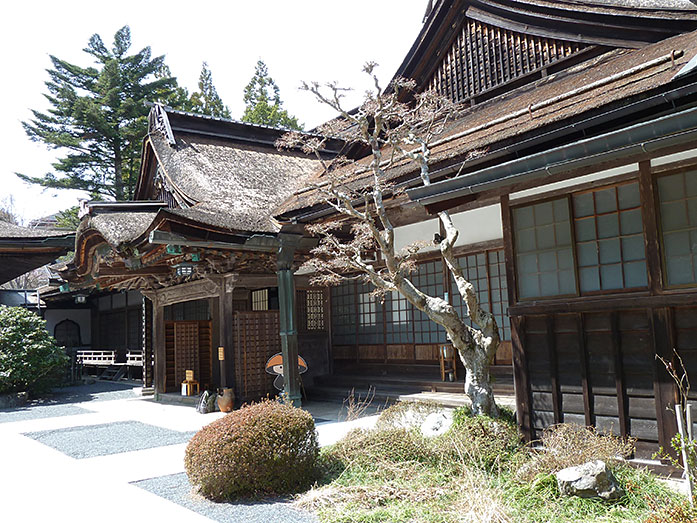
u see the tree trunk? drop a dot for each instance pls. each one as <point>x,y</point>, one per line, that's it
<point>477,383</point>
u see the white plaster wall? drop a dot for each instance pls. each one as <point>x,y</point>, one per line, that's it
<point>421,232</point>
<point>478,225</point>
<point>600,175</point>
<point>80,316</point>
<point>676,157</point>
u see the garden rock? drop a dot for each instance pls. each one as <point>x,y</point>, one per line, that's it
<point>13,401</point>
<point>437,423</point>
<point>590,480</point>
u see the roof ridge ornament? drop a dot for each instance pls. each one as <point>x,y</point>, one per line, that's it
<point>159,121</point>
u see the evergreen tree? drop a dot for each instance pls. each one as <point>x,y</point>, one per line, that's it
<point>263,102</point>
<point>98,115</point>
<point>206,99</point>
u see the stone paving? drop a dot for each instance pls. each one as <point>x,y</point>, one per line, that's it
<point>104,453</point>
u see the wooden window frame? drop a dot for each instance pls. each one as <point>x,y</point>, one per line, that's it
<point>655,175</point>
<point>568,196</point>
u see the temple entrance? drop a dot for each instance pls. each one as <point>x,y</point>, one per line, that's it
<point>188,347</point>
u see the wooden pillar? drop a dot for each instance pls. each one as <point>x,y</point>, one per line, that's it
<point>148,340</point>
<point>289,332</point>
<point>227,332</point>
<point>521,379</point>
<point>648,217</point>
<point>160,371</point>
<point>663,386</point>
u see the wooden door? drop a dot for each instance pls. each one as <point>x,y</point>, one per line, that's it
<point>187,347</point>
<point>258,339</point>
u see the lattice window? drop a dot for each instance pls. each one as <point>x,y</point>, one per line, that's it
<point>398,323</point>
<point>474,268</point>
<point>428,278</point>
<point>498,289</point>
<point>260,300</point>
<point>544,250</point>
<point>369,315</point>
<point>484,56</point>
<point>610,238</point>
<point>344,313</point>
<point>310,308</point>
<point>487,272</point>
<point>678,203</point>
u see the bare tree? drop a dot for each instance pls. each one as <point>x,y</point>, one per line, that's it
<point>397,134</point>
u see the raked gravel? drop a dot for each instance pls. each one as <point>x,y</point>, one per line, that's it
<point>109,438</point>
<point>176,488</point>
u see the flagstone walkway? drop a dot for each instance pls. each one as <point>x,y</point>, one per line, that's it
<point>101,452</point>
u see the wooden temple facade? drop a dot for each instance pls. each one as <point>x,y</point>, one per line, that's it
<point>570,170</point>
<point>200,244</point>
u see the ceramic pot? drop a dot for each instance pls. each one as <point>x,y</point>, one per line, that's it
<point>226,400</point>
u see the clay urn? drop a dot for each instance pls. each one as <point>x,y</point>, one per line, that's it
<point>226,400</point>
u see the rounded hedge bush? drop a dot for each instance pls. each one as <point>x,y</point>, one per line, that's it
<point>30,359</point>
<point>261,449</point>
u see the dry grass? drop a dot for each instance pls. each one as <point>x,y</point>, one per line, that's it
<point>413,493</point>
<point>356,405</point>
<point>567,445</point>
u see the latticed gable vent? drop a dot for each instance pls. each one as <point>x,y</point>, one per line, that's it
<point>484,57</point>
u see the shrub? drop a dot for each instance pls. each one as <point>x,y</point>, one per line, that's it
<point>567,445</point>
<point>30,359</point>
<point>260,449</point>
<point>482,442</point>
<point>374,449</point>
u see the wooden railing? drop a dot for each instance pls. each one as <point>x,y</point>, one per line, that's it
<point>134,358</point>
<point>96,357</point>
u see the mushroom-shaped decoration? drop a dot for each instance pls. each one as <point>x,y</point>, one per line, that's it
<point>275,367</point>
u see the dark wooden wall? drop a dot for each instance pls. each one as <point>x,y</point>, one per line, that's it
<point>598,367</point>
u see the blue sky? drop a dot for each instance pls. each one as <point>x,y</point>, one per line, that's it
<point>299,40</point>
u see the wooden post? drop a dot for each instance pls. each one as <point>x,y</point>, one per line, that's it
<point>227,332</point>
<point>521,380</point>
<point>286,302</point>
<point>160,378</point>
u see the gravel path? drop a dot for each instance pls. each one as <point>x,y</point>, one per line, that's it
<point>110,438</point>
<point>176,488</point>
<point>39,412</point>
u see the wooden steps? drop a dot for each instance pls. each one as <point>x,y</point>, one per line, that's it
<point>114,372</point>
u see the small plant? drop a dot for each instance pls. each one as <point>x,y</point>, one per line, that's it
<point>261,449</point>
<point>683,443</point>
<point>30,359</point>
<point>357,405</point>
<point>567,445</point>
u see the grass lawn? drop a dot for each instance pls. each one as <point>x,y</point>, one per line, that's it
<point>477,471</point>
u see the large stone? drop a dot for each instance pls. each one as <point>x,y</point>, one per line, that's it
<point>590,480</point>
<point>14,400</point>
<point>437,423</point>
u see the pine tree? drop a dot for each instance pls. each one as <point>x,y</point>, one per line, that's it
<point>263,104</point>
<point>99,117</point>
<point>206,99</point>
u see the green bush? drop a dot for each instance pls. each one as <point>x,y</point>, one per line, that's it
<point>373,449</point>
<point>30,359</point>
<point>261,449</point>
